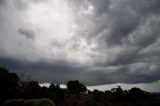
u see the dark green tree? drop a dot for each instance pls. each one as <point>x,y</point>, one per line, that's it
<point>9,84</point>
<point>136,93</point>
<point>76,87</point>
<point>31,90</point>
<point>57,93</point>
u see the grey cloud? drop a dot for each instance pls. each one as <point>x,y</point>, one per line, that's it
<point>147,34</point>
<point>128,19</point>
<point>102,6</point>
<point>56,72</point>
<point>121,26</point>
<point>122,75</point>
<point>146,7</point>
<point>122,19</point>
<point>61,72</point>
<point>150,54</point>
<point>2,2</point>
<point>77,4</point>
<point>57,44</point>
<point>18,4</point>
<point>125,32</point>
<point>126,57</point>
<point>37,1</point>
<point>28,33</point>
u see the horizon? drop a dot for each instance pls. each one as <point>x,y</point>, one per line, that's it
<point>149,87</point>
<point>97,42</point>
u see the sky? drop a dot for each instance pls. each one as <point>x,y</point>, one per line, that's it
<point>94,41</point>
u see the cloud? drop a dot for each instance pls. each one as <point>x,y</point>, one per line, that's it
<point>29,34</point>
<point>61,72</point>
<point>2,2</point>
<point>108,41</point>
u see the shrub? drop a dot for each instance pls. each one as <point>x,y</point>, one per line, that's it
<point>14,102</point>
<point>31,102</point>
<point>46,102</point>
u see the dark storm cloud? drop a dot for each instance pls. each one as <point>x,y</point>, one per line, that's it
<point>146,7</point>
<point>51,71</point>
<point>128,20</point>
<point>61,72</point>
<point>126,34</point>
<point>120,17</point>
<point>56,72</point>
<point>132,27</point>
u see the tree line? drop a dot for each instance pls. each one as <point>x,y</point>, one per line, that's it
<point>15,92</point>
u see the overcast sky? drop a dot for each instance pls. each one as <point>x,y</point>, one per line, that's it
<point>94,41</point>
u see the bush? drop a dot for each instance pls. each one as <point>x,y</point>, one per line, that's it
<point>14,102</point>
<point>31,102</point>
<point>46,102</point>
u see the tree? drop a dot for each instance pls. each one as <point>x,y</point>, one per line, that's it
<point>9,84</point>
<point>57,93</point>
<point>136,93</point>
<point>76,87</point>
<point>53,87</point>
<point>31,90</point>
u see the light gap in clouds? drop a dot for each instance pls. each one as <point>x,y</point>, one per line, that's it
<point>56,24</point>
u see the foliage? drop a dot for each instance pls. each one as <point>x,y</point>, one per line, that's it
<point>30,90</point>
<point>76,86</point>
<point>14,102</point>
<point>9,85</point>
<point>31,102</point>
